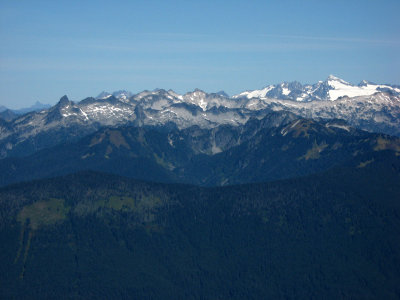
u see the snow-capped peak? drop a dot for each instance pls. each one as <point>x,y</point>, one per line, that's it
<point>330,89</point>
<point>255,93</point>
<point>337,79</point>
<point>340,88</point>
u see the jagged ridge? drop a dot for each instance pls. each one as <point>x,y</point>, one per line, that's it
<point>378,109</point>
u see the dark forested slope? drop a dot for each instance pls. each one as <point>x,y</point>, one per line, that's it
<point>91,235</point>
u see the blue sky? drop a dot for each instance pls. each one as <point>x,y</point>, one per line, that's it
<point>52,48</point>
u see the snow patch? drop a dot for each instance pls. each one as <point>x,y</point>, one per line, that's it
<point>255,94</point>
<point>285,91</point>
<point>342,88</point>
<point>344,127</point>
<point>295,123</point>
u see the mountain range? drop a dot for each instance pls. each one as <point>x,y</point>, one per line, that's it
<point>331,89</point>
<point>369,106</point>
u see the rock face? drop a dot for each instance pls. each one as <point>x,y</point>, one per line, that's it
<point>367,106</point>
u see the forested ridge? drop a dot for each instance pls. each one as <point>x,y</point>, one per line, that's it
<point>94,235</point>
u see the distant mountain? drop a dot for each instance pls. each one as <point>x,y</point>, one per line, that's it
<point>371,107</point>
<point>275,147</point>
<point>35,107</point>
<point>333,235</point>
<point>331,89</point>
<point>103,95</point>
<point>222,93</point>
<point>120,95</point>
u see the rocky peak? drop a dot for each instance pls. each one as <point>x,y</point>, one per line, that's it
<point>64,101</point>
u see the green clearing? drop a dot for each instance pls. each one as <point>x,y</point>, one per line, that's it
<point>43,213</point>
<point>314,152</point>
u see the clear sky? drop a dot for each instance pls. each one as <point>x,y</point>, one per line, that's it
<point>80,48</point>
